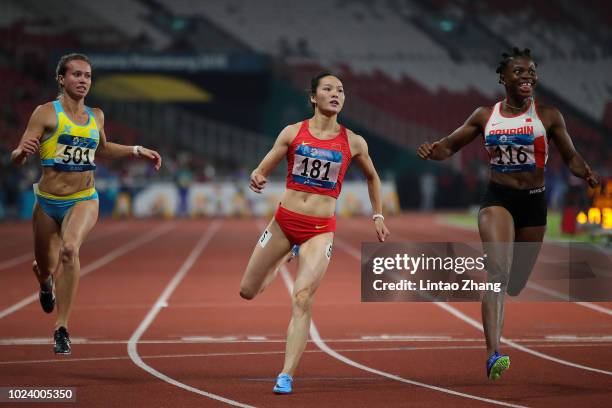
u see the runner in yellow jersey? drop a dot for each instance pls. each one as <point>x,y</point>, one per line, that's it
<point>69,136</point>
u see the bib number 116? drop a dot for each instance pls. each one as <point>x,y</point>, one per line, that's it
<point>521,156</point>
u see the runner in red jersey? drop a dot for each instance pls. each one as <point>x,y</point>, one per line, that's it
<point>516,133</point>
<point>318,151</point>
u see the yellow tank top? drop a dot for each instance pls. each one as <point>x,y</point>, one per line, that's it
<point>70,147</point>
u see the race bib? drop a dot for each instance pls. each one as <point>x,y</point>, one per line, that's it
<point>75,153</point>
<point>509,153</point>
<point>317,167</point>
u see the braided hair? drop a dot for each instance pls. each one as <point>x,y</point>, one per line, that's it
<point>515,53</point>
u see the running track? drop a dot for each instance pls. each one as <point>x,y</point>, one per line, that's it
<point>158,322</point>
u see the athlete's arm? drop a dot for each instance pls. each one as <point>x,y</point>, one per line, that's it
<point>272,158</point>
<point>111,150</point>
<point>359,148</point>
<point>449,145</point>
<point>563,141</point>
<point>42,118</point>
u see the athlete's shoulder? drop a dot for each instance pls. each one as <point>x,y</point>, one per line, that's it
<point>289,133</point>
<point>548,114</point>
<point>44,114</point>
<point>480,116</point>
<point>45,108</point>
<point>352,136</point>
<point>98,114</point>
<point>483,112</point>
<point>356,142</point>
<point>545,110</point>
<point>293,128</point>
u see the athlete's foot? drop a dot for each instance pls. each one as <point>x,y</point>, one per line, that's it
<point>45,295</point>
<point>62,341</point>
<point>496,365</point>
<point>284,384</point>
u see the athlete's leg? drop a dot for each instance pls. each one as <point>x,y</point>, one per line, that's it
<point>78,222</point>
<point>313,258</point>
<point>46,253</point>
<point>526,250</point>
<point>496,228</point>
<point>271,249</point>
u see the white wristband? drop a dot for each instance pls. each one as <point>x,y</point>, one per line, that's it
<point>136,150</point>
<point>375,216</point>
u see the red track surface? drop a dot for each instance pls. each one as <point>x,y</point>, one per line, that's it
<point>115,297</point>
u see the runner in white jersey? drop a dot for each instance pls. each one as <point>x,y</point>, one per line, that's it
<point>516,134</point>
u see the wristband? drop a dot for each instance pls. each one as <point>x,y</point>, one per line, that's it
<point>136,150</point>
<point>375,216</point>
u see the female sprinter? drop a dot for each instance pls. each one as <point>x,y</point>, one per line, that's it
<point>69,135</point>
<point>516,135</point>
<point>318,152</point>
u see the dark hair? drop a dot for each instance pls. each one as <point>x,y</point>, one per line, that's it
<point>314,82</point>
<point>506,58</point>
<point>62,66</point>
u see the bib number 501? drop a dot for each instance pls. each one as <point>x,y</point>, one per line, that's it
<point>76,155</point>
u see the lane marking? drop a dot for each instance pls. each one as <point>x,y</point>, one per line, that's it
<point>111,256</point>
<point>132,346</point>
<point>29,256</point>
<point>314,334</point>
<point>460,315</point>
<point>273,352</point>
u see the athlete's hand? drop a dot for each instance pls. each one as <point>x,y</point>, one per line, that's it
<point>258,181</point>
<point>30,146</point>
<point>426,150</point>
<point>21,153</point>
<point>381,230</point>
<point>151,155</point>
<point>591,177</point>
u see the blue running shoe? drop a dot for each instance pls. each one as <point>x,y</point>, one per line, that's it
<point>283,384</point>
<point>496,365</point>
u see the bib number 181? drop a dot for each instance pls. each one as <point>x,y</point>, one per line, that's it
<point>315,169</point>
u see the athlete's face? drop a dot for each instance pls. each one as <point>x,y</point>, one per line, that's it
<point>520,77</point>
<point>77,80</point>
<point>329,97</point>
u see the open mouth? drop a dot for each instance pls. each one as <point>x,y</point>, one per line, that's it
<point>526,86</point>
<point>334,103</point>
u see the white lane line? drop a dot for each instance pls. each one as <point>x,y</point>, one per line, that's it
<point>462,316</point>
<point>159,304</point>
<point>29,256</point>
<point>455,312</point>
<point>531,285</point>
<point>123,249</point>
<point>9,263</point>
<point>314,334</point>
<point>564,297</point>
<point>271,352</point>
<point>553,340</point>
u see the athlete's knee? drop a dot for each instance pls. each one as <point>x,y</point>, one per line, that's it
<point>302,300</point>
<point>70,252</point>
<point>497,273</point>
